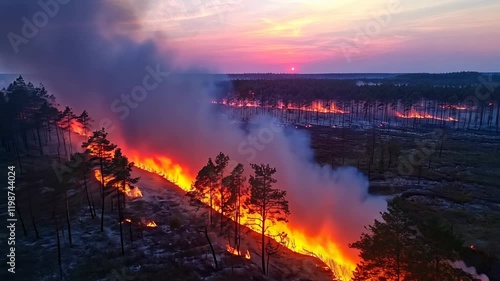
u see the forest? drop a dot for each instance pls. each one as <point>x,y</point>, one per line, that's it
<point>68,194</point>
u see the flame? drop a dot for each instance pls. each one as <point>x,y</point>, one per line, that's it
<point>151,224</point>
<point>321,246</point>
<point>76,127</point>
<point>451,106</point>
<point>417,115</point>
<point>128,220</point>
<point>235,252</point>
<point>130,192</point>
<point>316,106</point>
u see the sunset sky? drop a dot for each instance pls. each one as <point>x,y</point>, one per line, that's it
<point>319,36</point>
<point>330,36</point>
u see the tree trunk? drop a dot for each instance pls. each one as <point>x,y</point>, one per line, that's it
<point>102,194</point>
<point>69,135</point>
<point>263,248</point>
<point>59,250</point>
<point>87,194</point>
<point>32,217</point>
<point>67,218</point>
<point>39,139</point>
<point>16,149</point>
<point>58,141</point>
<point>21,219</point>
<point>211,247</point>
<point>120,219</point>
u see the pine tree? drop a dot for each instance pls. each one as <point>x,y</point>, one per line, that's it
<point>203,188</point>
<point>120,171</point>
<point>234,183</point>
<point>266,203</point>
<point>101,151</point>
<point>395,249</point>
<point>221,161</point>
<point>84,121</point>
<point>384,248</point>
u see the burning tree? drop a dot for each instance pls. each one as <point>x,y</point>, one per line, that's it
<point>120,171</point>
<point>396,249</point>
<point>84,121</point>
<point>266,203</point>
<point>101,151</point>
<point>66,120</point>
<point>234,184</point>
<point>221,161</point>
<point>202,188</point>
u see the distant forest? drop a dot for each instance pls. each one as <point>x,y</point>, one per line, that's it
<point>450,87</point>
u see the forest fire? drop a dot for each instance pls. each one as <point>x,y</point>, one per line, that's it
<point>322,245</point>
<point>151,224</point>
<point>315,106</point>
<point>457,107</point>
<point>235,252</point>
<point>134,192</point>
<point>413,114</point>
<point>76,127</point>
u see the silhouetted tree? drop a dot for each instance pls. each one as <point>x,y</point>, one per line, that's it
<point>120,171</point>
<point>234,183</point>
<point>268,205</point>
<point>101,151</point>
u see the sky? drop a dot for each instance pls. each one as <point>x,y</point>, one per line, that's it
<point>323,36</point>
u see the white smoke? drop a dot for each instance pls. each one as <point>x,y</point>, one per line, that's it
<point>469,269</point>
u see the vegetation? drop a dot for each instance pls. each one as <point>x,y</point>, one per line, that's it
<point>398,249</point>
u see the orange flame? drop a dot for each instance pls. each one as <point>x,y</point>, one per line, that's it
<point>451,106</point>
<point>316,106</point>
<point>130,192</point>
<point>235,252</point>
<point>417,115</point>
<point>151,224</point>
<point>321,246</point>
<point>76,127</point>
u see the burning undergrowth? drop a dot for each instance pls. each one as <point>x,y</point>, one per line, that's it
<point>163,119</point>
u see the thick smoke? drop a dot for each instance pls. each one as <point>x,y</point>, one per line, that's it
<point>84,56</point>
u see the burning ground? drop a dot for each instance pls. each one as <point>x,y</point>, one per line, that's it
<point>166,241</point>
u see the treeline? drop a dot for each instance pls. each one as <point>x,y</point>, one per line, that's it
<point>229,193</point>
<point>303,91</point>
<point>396,249</point>
<point>29,119</point>
<point>32,125</point>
